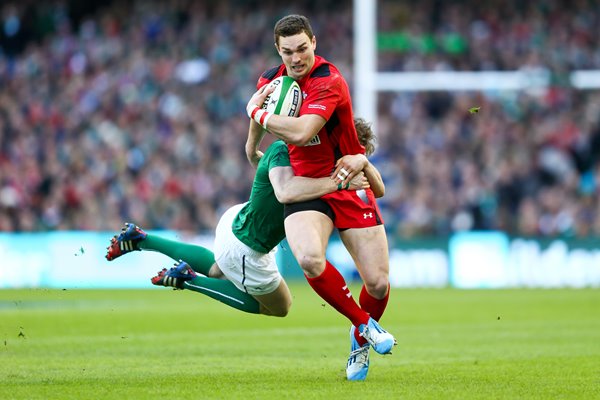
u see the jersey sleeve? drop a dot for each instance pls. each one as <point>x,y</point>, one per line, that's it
<point>269,75</point>
<point>262,82</point>
<point>279,157</point>
<point>322,97</point>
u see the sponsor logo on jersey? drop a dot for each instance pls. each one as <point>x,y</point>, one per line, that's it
<point>304,95</point>
<point>317,106</point>
<point>367,215</point>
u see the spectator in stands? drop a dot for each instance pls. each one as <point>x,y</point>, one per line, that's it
<point>98,110</point>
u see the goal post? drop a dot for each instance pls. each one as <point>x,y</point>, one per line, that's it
<point>368,81</point>
<point>365,60</point>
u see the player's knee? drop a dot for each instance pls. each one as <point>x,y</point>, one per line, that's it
<point>311,265</point>
<point>215,272</point>
<point>282,310</point>
<point>378,288</point>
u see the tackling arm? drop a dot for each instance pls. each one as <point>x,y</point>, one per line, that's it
<point>375,180</point>
<point>255,136</point>
<point>291,189</point>
<point>348,166</point>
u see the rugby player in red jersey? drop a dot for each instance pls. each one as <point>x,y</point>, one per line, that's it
<point>322,133</point>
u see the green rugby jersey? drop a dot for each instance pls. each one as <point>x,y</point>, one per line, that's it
<point>259,225</point>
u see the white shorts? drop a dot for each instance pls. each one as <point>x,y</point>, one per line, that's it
<point>252,272</point>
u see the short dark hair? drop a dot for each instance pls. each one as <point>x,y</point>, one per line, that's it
<point>291,25</point>
<point>366,137</point>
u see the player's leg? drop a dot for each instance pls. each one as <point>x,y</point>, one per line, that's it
<point>255,274</point>
<point>133,238</point>
<point>181,276</point>
<point>310,230</point>
<point>199,258</point>
<point>260,279</point>
<point>276,303</point>
<point>307,234</point>
<point>363,234</point>
<point>225,292</point>
<point>374,306</point>
<point>369,250</point>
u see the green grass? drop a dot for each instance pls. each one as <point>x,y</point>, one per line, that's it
<point>159,344</point>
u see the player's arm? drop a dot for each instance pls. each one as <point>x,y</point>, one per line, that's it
<point>293,130</point>
<point>291,189</point>
<point>256,134</point>
<point>348,166</point>
<point>296,130</point>
<point>375,180</point>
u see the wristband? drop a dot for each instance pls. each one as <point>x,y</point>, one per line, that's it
<point>345,188</point>
<point>258,114</point>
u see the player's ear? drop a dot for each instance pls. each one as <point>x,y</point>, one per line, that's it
<point>314,42</point>
<point>277,48</point>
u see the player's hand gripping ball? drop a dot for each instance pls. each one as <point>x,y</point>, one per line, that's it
<point>282,96</point>
<point>286,99</point>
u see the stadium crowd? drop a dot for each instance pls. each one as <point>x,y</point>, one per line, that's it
<point>135,111</point>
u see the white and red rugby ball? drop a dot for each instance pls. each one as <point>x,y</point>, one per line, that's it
<point>286,99</point>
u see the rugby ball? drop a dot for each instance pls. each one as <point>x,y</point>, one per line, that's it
<point>286,99</point>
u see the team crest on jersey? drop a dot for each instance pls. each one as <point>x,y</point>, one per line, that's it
<point>314,141</point>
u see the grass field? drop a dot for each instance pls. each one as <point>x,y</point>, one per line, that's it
<point>162,344</point>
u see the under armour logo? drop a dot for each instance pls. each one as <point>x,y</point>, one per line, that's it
<point>369,215</point>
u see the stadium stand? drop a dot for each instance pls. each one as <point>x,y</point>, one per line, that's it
<point>135,111</point>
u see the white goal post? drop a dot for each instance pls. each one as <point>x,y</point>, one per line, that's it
<point>368,81</point>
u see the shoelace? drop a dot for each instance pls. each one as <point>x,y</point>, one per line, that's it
<point>360,355</point>
<point>365,334</point>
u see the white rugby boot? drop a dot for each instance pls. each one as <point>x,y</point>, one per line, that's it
<point>381,341</point>
<point>358,361</point>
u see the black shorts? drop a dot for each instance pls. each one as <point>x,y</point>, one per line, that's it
<point>309,205</point>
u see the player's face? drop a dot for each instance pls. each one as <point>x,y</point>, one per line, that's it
<point>297,53</point>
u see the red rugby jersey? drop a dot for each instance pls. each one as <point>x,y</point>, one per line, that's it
<point>325,93</point>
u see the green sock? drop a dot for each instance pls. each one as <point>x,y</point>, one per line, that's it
<point>197,257</point>
<point>224,291</point>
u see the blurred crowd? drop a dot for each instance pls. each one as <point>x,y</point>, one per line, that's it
<point>135,111</point>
